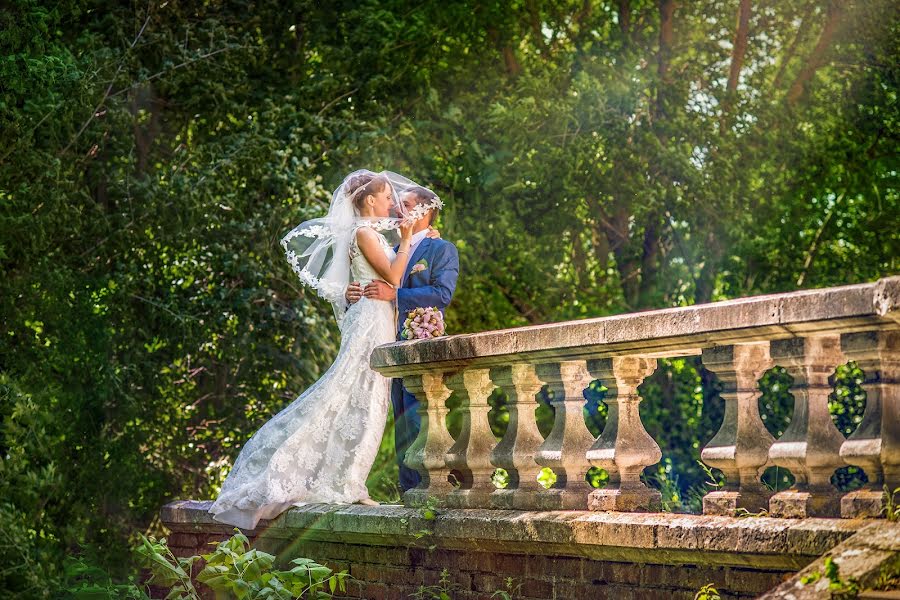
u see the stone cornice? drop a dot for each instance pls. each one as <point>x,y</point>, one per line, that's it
<point>647,538</point>
<point>667,332</point>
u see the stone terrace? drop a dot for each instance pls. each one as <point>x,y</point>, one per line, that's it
<point>573,541</point>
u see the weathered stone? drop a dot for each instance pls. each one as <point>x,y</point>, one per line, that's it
<point>646,553</point>
<point>652,537</point>
<point>564,449</point>
<point>810,446</point>
<point>740,448</point>
<point>670,332</point>
<point>861,558</point>
<point>427,454</point>
<point>875,445</point>
<point>516,450</point>
<point>470,455</point>
<point>624,448</point>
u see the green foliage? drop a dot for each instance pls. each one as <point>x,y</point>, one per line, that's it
<point>891,508</point>
<point>840,589</point>
<point>443,590</point>
<point>511,589</point>
<point>152,155</point>
<point>166,569</point>
<point>234,570</point>
<point>888,577</point>
<point>708,592</point>
<point>85,581</point>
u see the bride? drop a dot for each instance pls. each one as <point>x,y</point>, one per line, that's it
<point>322,446</point>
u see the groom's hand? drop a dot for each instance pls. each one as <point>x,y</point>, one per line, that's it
<point>379,290</point>
<point>354,292</point>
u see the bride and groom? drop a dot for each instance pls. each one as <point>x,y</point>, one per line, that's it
<point>372,255</point>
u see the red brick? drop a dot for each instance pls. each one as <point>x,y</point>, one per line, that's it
<point>418,556</point>
<point>612,572</point>
<point>533,588</point>
<point>443,559</point>
<point>478,561</point>
<point>399,592</point>
<point>536,567</point>
<point>432,576</point>
<point>375,591</point>
<point>511,564</point>
<point>618,592</point>
<point>567,589</point>
<point>569,568</point>
<point>485,582</point>
<point>664,594</point>
<point>184,540</point>
<point>681,576</point>
<point>401,576</point>
<point>750,581</point>
<point>355,589</point>
<point>461,580</point>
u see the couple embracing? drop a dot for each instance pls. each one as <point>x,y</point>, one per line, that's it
<point>373,255</point>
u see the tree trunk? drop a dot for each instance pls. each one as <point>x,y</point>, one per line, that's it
<point>664,56</point>
<point>740,46</point>
<point>792,49</point>
<point>817,56</point>
<point>649,262</point>
<point>625,20</point>
<point>738,50</point>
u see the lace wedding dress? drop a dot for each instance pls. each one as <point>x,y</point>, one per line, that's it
<point>322,446</point>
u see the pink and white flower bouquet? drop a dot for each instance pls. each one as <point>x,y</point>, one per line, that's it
<point>423,324</point>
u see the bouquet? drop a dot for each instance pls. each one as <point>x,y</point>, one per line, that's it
<point>423,324</point>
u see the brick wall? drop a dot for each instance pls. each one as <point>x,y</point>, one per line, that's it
<point>570,555</point>
<point>382,573</point>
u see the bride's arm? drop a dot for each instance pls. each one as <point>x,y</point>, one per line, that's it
<point>370,246</point>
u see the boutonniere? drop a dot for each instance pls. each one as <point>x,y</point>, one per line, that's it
<point>419,266</point>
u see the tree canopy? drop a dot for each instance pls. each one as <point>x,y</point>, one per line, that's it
<point>595,157</point>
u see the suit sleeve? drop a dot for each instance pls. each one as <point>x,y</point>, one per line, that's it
<point>444,273</point>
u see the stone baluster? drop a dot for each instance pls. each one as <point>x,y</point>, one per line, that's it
<point>875,445</point>
<point>811,444</point>
<point>564,449</point>
<point>516,450</point>
<point>427,454</point>
<point>470,455</point>
<point>624,448</point>
<point>740,449</point>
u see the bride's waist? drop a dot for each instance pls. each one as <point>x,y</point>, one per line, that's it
<point>364,281</point>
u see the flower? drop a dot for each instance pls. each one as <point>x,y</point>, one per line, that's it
<point>419,266</point>
<point>423,323</point>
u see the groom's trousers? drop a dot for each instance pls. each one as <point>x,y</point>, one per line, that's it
<point>406,429</point>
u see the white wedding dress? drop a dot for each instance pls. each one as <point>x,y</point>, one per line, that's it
<point>322,446</point>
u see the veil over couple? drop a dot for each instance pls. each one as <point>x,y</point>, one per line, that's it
<point>372,255</point>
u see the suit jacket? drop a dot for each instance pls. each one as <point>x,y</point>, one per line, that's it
<point>432,283</point>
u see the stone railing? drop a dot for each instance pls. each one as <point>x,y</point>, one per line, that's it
<point>809,333</point>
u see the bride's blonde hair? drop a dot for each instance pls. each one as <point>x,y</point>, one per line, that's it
<point>361,186</point>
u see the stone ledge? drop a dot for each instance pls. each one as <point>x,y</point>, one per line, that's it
<point>648,538</point>
<point>862,557</point>
<point>667,332</point>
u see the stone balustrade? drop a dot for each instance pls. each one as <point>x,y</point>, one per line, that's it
<point>809,333</point>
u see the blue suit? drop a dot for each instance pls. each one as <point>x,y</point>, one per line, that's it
<point>432,286</point>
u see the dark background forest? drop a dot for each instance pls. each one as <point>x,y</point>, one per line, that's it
<point>595,157</point>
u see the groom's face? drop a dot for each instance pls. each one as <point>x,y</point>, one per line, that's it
<point>410,202</point>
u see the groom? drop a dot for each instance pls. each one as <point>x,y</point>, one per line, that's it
<point>430,280</point>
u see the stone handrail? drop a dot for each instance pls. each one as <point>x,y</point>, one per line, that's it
<point>809,333</point>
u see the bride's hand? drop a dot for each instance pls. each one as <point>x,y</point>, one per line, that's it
<point>433,234</point>
<point>406,231</point>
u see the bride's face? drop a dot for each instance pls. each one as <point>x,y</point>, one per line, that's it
<point>381,207</point>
